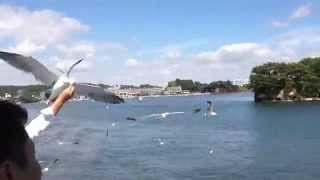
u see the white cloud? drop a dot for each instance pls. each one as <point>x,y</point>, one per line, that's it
<point>34,31</point>
<point>12,76</point>
<point>174,50</point>
<point>168,69</point>
<point>132,62</point>
<point>113,46</point>
<point>229,61</point>
<point>77,50</point>
<point>301,12</point>
<point>236,53</point>
<point>66,64</point>
<point>299,37</point>
<point>27,47</point>
<point>49,35</point>
<point>66,55</point>
<point>279,24</point>
<point>173,53</point>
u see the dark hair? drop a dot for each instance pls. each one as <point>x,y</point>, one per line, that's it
<point>13,136</point>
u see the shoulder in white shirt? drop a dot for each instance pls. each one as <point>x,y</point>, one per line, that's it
<point>40,123</point>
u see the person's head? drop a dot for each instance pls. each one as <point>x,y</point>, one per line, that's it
<point>17,154</point>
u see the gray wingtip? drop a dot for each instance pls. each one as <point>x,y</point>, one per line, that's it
<point>121,100</point>
<point>118,100</point>
<point>8,53</point>
<point>73,65</point>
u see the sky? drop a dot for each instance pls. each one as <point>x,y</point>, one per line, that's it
<point>155,41</point>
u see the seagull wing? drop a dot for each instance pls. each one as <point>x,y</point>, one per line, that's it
<point>70,69</point>
<point>97,93</point>
<point>29,65</point>
<point>175,113</point>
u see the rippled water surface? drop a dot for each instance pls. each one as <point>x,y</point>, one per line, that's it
<point>244,141</point>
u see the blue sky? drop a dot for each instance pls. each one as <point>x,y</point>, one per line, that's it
<point>153,41</point>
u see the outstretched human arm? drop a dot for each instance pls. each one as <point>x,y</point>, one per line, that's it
<point>41,122</point>
<point>62,98</point>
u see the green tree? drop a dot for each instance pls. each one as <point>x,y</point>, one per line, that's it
<point>223,86</point>
<point>187,85</point>
<point>303,78</point>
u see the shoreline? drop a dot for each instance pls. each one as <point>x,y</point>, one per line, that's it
<point>291,100</point>
<point>300,99</point>
<point>191,94</point>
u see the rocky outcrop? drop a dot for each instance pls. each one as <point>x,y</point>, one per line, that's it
<point>284,95</point>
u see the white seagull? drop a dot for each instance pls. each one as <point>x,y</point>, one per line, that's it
<point>210,111</point>
<point>161,115</point>
<point>42,74</point>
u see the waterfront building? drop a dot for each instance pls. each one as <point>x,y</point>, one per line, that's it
<point>173,90</point>
<point>131,92</point>
<point>7,95</point>
<point>240,82</point>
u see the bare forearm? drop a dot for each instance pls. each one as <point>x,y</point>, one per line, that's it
<point>57,105</point>
<point>62,98</point>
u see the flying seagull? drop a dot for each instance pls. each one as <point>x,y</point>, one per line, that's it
<point>44,75</point>
<point>210,111</point>
<point>62,83</point>
<point>161,115</point>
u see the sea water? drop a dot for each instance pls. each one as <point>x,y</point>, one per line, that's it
<point>244,140</point>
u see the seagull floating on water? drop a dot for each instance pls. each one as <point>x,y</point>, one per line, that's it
<point>211,151</point>
<point>196,110</point>
<point>46,169</point>
<point>131,119</point>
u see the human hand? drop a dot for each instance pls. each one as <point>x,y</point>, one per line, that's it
<point>67,93</point>
<point>64,96</point>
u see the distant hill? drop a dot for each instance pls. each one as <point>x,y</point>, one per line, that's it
<point>28,89</point>
<point>25,94</point>
<point>196,86</point>
<point>140,86</point>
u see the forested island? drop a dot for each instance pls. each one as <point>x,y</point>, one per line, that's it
<point>213,87</point>
<point>287,81</point>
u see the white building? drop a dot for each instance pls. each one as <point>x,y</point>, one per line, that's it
<point>240,82</point>
<point>131,92</point>
<point>185,92</point>
<point>173,90</point>
<point>151,91</point>
<point>7,96</point>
